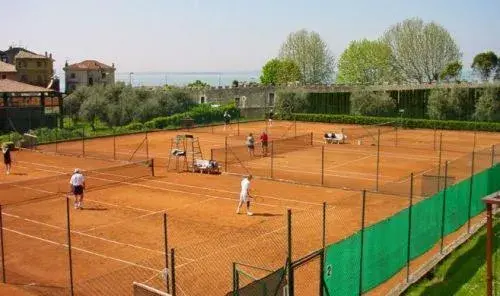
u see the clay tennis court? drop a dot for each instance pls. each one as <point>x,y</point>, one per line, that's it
<point>118,237</point>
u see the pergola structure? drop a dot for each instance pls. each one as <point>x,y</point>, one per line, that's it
<point>28,106</point>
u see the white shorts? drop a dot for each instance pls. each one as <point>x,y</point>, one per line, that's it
<point>243,197</point>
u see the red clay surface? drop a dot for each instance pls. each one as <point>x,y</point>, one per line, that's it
<point>118,237</point>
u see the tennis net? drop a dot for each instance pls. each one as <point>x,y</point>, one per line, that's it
<point>239,153</point>
<point>57,185</point>
<point>369,132</point>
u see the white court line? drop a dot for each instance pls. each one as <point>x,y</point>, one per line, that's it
<point>89,235</point>
<point>184,192</point>
<point>122,221</point>
<point>81,250</point>
<point>348,162</point>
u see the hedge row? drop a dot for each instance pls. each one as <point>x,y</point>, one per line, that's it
<point>405,122</point>
<point>201,114</point>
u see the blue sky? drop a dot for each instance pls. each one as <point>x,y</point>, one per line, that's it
<point>223,35</point>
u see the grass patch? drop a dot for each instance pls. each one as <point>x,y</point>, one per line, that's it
<point>463,272</point>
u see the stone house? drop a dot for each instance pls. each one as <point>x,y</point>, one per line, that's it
<point>88,72</point>
<point>7,71</point>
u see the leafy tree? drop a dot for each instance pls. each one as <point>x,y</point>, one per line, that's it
<point>420,51</point>
<point>370,103</point>
<point>198,84</point>
<point>235,83</point>
<point>95,107</point>
<point>288,71</point>
<point>311,54</point>
<point>448,104</point>
<point>73,102</point>
<point>277,71</point>
<point>485,63</point>
<point>488,105</point>
<point>365,62</point>
<point>270,72</point>
<point>290,102</point>
<point>452,71</point>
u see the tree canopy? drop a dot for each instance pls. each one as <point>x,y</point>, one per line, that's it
<point>277,71</point>
<point>420,51</point>
<point>311,54</point>
<point>365,62</point>
<point>198,84</point>
<point>452,71</point>
<point>485,63</point>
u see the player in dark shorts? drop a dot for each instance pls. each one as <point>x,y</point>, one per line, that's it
<point>227,119</point>
<point>7,160</point>
<point>77,183</point>
<point>271,115</point>
<point>250,144</point>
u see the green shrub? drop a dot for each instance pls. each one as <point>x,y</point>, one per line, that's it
<point>134,126</point>
<point>371,103</point>
<point>488,105</point>
<point>290,102</point>
<point>406,122</point>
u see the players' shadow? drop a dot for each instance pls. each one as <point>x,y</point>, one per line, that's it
<point>19,174</point>
<point>266,215</point>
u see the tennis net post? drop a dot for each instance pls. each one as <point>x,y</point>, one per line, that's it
<point>272,159</point>
<point>471,188</point>
<point>114,144</point>
<point>289,253</point>
<point>152,164</point>
<point>378,162</point>
<point>322,165</point>
<point>147,145</point>
<point>2,245</point>
<point>225,154</point>
<point>68,238</point>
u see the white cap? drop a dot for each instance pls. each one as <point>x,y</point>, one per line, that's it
<point>77,171</point>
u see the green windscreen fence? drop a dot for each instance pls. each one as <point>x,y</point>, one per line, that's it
<point>342,267</point>
<point>385,249</point>
<point>385,244</point>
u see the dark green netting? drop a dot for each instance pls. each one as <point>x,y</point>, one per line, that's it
<point>457,203</point>
<point>426,221</point>
<point>385,243</point>
<point>342,266</point>
<point>385,249</point>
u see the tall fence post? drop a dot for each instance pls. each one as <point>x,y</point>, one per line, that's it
<point>83,141</point>
<point>165,242</point>
<point>147,145</point>
<point>2,245</point>
<point>439,162</point>
<point>114,144</point>
<point>225,154</point>
<point>471,186</point>
<point>289,242</point>
<point>272,159</point>
<point>492,155</point>
<point>172,270</point>
<point>235,280</point>
<point>408,254</point>
<point>295,125</point>
<point>322,165</point>
<point>68,233</point>
<point>238,125</point>
<point>378,161</point>
<point>57,134</point>
<point>363,212</point>
<point>396,136</point>
<point>434,145</point>
<point>323,246</point>
<point>444,206</point>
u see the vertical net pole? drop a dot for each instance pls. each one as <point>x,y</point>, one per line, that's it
<point>289,241</point>
<point>444,206</point>
<point>378,161</point>
<point>114,144</point>
<point>323,246</point>
<point>2,245</point>
<point>434,145</point>
<point>272,159</point>
<point>235,280</point>
<point>492,155</point>
<point>172,270</point>
<point>408,251</point>
<point>57,134</point>
<point>238,125</point>
<point>70,258</point>
<point>83,141</point>
<point>363,212</point>
<point>312,137</point>
<point>322,165</point>
<point>147,146</point>
<point>295,125</point>
<point>165,245</point>
<point>396,136</point>
<point>470,190</point>
<point>439,162</point>
<point>225,154</point>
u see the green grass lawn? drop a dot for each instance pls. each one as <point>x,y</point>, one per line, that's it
<point>464,271</point>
